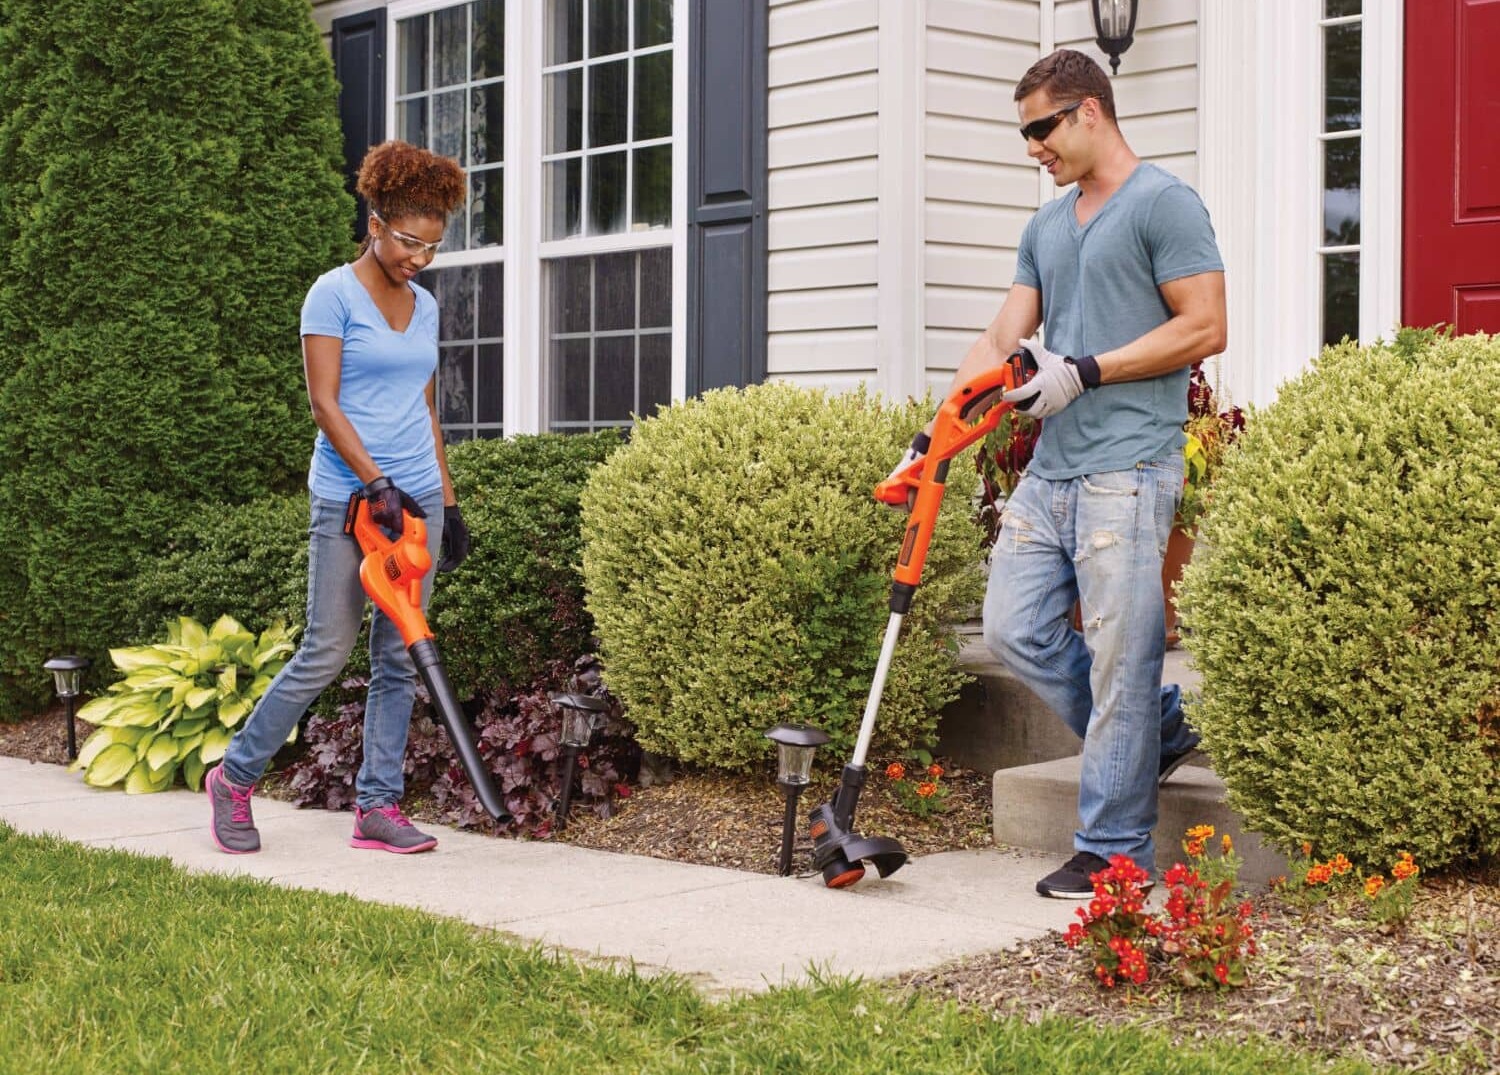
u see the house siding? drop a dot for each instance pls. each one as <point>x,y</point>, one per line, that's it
<point>823,154</point>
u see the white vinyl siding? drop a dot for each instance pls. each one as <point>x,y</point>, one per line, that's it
<point>823,154</point>
<point>979,187</point>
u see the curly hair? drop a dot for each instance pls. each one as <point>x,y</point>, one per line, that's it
<point>1069,75</point>
<point>399,179</point>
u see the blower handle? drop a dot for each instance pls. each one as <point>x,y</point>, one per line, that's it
<point>971,411</point>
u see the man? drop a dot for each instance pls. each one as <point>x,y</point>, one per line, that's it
<point>1125,274</point>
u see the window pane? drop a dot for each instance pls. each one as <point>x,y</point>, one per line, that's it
<point>653,96</point>
<point>491,301</point>
<point>570,295</point>
<point>489,398</point>
<point>609,27</point>
<point>487,124</point>
<point>455,384</point>
<point>411,121</point>
<point>450,45</point>
<point>411,55</point>
<point>614,378</point>
<point>606,193</point>
<point>653,22</point>
<point>570,380</point>
<point>1341,192</point>
<point>656,287</point>
<point>1341,75</point>
<point>1340,297</point>
<point>653,187</point>
<point>564,31</point>
<point>564,198</point>
<point>564,111</point>
<point>448,124</point>
<point>608,103</point>
<point>488,50</point>
<point>487,207</point>
<point>656,373</point>
<point>1336,9</point>
<point>614,292</point>
<point>454,291</point>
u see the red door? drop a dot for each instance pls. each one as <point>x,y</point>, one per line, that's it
<point>1452,175</point>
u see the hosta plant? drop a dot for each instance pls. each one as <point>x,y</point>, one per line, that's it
<point>179,703</point>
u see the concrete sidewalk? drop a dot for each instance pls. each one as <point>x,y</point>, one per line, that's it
<point>724,929</point>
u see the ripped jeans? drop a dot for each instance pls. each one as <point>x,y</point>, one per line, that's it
<point>1098,539</point>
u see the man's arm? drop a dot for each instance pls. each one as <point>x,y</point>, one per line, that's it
<point>1020,315</point>
<point>1198,328</point>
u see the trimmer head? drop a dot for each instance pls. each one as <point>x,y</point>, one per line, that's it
<point>837,850</point>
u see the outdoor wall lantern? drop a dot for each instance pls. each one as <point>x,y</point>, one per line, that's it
<point>66,671</point>
<point>582,715</point>
<point>1114,22</point>
<point>795,746</point>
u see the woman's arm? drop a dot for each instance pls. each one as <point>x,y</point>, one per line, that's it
<point>449,498</point>
<point>322,360</point>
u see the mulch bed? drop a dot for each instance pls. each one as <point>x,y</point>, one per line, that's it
<point>1424,997</point>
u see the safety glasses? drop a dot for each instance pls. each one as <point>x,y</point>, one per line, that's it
<point>410,243</point>
<point>1039,129</point>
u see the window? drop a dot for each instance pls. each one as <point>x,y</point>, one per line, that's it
<point>571,241</point>
<point>1341,144</point>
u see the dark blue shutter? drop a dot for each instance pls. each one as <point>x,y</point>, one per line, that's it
<point>726,244</point>
<point>359,65</point>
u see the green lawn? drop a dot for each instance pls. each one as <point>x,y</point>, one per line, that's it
<point>113,962</point>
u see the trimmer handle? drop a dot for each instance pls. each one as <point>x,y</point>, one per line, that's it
<point>392,569</point>
<point>969,413</point>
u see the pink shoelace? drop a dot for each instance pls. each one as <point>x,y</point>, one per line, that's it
<point>394,813</point>
<point>240,803</point>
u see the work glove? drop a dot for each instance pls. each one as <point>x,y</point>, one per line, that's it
<point>455,547</point>
<point>1058,381</point>
<point>919,445</point>
<point>387,502</point>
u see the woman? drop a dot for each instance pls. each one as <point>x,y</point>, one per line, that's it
<point>369,347</point>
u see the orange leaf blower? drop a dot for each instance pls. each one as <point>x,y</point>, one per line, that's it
<point>969,413</point>
<point>391,573</point>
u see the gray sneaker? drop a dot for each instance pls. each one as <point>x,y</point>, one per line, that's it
<point>385,828</point>
<point>233,828</point>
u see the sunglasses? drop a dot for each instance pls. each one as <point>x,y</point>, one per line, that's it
<point>410,243</point>
<point>1039,129</point>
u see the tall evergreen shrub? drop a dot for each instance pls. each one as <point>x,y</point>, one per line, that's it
<point>1343,603</point>
<point>169,187</point>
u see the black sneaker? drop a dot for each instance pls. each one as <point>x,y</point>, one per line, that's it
<point>1072,881</point>
<point>1170,763</point>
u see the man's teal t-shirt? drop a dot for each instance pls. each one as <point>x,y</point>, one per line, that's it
<point>1100,290</point>
<point>382,385</point>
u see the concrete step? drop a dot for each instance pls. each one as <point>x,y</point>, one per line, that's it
<point>1036,807</point>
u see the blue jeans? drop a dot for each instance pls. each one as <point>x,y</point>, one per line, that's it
<point>1098,539</point>
<point>335,610</point>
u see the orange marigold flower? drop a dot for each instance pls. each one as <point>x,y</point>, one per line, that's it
<point>927,789</point>
<point>1373,885</point>
<point>1201,832</point>
<point>1405,868</point>
<point>896,771</point>
<point>1227,843</point>
<point>1340,865</point>
<point>935,770</point>
<point>1194,847</point>
<point>1320,874</point>
<point>1306,849</point>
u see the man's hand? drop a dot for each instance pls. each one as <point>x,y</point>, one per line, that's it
<point>455,546</point>
<point>1058,381</point>
<point>387,501</point>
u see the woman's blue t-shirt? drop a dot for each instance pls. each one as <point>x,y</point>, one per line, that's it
<point>383,382</point>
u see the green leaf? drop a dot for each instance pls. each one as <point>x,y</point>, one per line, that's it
<point>200,696</point>
<point>223,627</point>
<point>228,679</point>
<point>163,750</point>
<point>215,742</point>
<point>186,729</point>
<point>142,781</point>
<point>93,746</point>
<point>110,766</point>
<point>143,745</point>
<point>192,633</point>
<point>132,658</point>
<point>193,768</point>
<point>232,709</point>
<point>189,747</point>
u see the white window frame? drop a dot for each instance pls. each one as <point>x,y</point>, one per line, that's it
<point>523,370</point>
<point>1260,163</point>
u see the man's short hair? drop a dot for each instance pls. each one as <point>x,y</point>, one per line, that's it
<point>1069,75</point>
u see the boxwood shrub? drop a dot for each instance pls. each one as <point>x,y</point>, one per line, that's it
<point>1343,600</point>
<point>738,571</point>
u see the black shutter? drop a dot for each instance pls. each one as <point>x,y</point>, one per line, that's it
<point>359,66</point>
<point>726,245</point>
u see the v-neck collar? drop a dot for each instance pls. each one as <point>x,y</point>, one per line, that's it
<point>1081,229</point>
<point>411,322</point>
